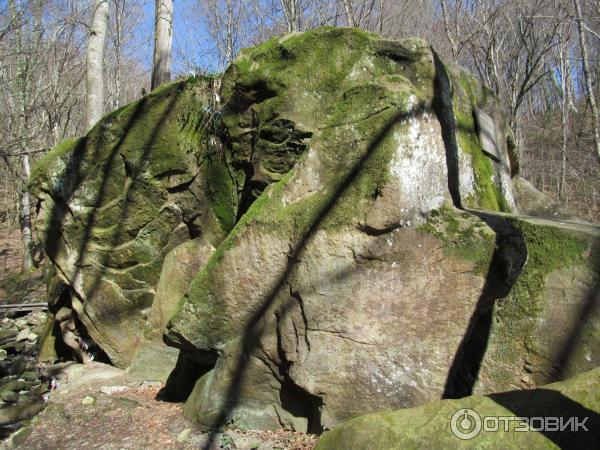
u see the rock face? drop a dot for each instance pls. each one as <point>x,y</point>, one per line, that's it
<point>429,426</point>
<point>547,327</point>
<point>116,201</point>
<point>332,241</point>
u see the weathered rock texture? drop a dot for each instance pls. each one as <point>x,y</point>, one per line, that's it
<point>332,242</point>
<point>116,201</point>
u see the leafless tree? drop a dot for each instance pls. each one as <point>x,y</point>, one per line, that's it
<point>559,69</point>
<point>25,63</point>
<point>163,42</point>
<point>95,63</point>
<point>225,22</point>
<point>126,40</point>
<point>591,96</point>
<point>42,72</point>
<point>292,14</point>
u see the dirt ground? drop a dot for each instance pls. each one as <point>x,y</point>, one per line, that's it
<point>99,407</point>
<point>10,249</point>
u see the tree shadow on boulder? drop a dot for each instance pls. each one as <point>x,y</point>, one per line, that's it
<point>508,260</point>
<point>547,409</point>
<point>72,179</point>
<point>250,339</point>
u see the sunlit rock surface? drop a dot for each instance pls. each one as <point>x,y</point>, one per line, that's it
<point>331,240</point>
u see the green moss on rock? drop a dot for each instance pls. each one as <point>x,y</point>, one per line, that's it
<point>516,351</point>
<point>221,192</point>
<point>468,94</point>
<point>337,86</point>
<point>40,170</point>
<point>548,249</point>
<point>464,236</point>
<point>119,198</point>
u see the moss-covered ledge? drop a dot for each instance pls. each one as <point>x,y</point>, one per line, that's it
<point>429,426</point>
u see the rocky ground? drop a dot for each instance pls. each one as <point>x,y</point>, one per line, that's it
<point>24,382</point>
<point>99,406</point>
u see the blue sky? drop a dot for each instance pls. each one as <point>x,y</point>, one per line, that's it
<point>190,43</point>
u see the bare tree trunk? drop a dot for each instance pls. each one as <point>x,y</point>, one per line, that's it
<point>26,236</point>
<point>23,125</point>
<point>563,34</point>
<point>163,43</point>
<point>95,64</point>
<point>380,19</point>
<point>349,13</point>
<point>564,123</point>
<point>587,76</point>
<point>290,11</point>
<point>451,40</point>
<point>119,17</point>
<point>229,35</point>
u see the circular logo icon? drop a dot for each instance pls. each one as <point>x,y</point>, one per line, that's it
<point>465,424</point>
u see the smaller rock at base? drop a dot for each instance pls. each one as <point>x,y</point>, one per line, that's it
<point>184,435</point>
<point>29,375</point>
<point>2,354</point>
<point>23,334</point>
<point>19,436</point>
<point>36,318</point>
<point>26,396</point>
<point>88,400</point>
<point>16,385</point>
<point>9,397</point>
<point>110,390</point>
<point>15,347</point>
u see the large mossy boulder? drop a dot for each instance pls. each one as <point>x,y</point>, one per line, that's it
<point>325,300</point>
<point>338,237</point>
<point>565,404</point>
<point>115,202</point>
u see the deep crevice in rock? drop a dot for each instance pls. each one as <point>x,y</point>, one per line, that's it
<point>277,145</point>
<point>189,369</point>
<point>85,342</point>
<point>301,403</point>
<point>372,231</point>
<point>64,300</point>
<point>295,399</point>
<point>442,106</point>
<point>183,187</point>
<point>194,229</point>
<point>508,260</point>
<point>93,349</point>
<point>250,191</point>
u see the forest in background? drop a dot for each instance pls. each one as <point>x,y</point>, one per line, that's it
<point>540,57</point>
